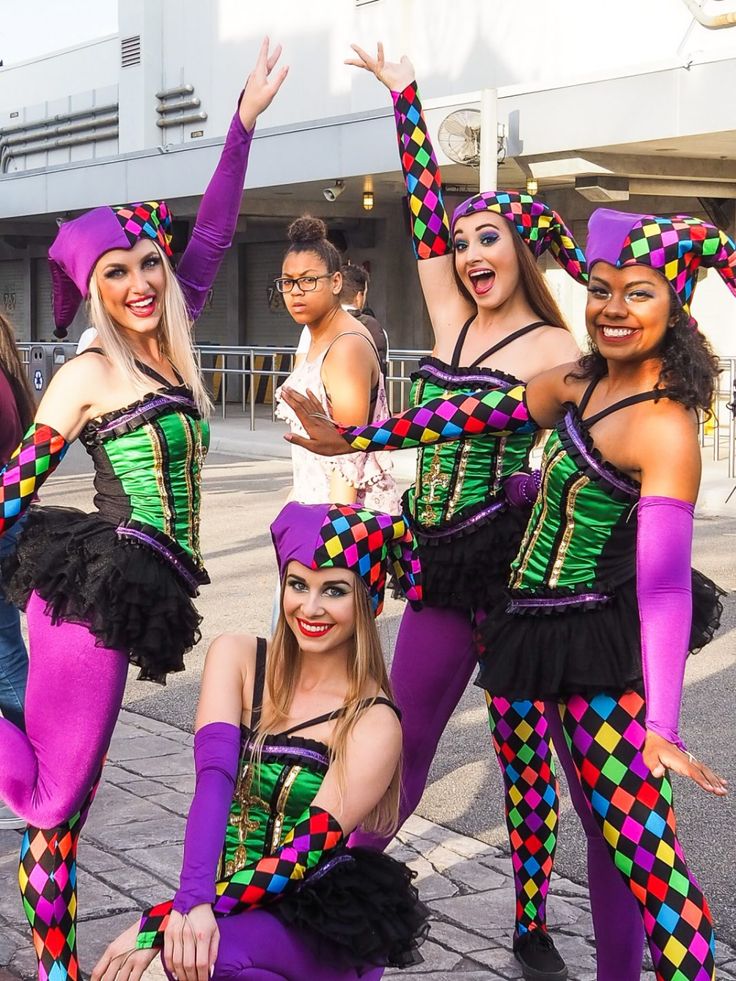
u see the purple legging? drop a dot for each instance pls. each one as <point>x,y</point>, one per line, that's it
<point>75,690</point>
<point>257,946</point>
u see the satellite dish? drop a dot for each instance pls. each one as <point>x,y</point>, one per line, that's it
<point>459,136</point>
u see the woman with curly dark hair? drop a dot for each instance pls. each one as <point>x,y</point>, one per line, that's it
<point>603,606</point>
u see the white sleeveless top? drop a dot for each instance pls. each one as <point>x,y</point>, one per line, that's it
<point>369,473</point>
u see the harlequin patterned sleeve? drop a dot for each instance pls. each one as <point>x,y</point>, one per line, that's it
<point>315,834</point>
<point>430,225</point>
<point>38,455</point>
<point>460,417</point>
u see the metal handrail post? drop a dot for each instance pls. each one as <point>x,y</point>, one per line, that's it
<point>223,408</point>
<point>731,422</point>
<point>242,381</point>
<point>252,391</point>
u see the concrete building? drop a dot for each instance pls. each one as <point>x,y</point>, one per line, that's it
<point>627,104</point>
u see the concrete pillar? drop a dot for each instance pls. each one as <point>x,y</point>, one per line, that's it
<point>140,83</point>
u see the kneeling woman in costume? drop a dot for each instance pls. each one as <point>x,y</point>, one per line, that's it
<point>603,604</point>
<point>113,587</point>
<point>297,743</point>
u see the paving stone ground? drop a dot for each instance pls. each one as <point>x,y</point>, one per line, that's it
<point>131,849</point>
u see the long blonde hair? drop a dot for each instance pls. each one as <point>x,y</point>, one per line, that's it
<point>366,666</point>
<point>175,338</point>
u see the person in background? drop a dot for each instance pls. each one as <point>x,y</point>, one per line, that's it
<point>341,365</point>
<point>17,408</point>
<point>355,280</point>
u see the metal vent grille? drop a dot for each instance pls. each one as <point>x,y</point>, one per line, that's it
<point>130,51</point>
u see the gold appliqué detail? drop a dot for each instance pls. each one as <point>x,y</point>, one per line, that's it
<point>433,480</point>
<point>498,472</point>
<point>243,822</point>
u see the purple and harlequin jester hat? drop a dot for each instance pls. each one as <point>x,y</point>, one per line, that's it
<point>346,536</point>
<point>676,246</point>
<point>540,227</point>
<point>82,241</point>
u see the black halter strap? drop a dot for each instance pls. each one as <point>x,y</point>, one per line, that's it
<point>330,716</point>
<point>258,684</point>
<point>652,395</point>
<point>496,347</point>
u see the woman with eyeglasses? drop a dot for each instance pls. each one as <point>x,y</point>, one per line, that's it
<point>341,367</point>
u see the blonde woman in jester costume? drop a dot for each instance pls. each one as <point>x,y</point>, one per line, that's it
<point>297,741</point>
<point>603,606</point>
<point>114,587</point>
<point>495,322</point>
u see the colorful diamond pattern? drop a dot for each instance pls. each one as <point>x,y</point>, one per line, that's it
<point>147,219</point>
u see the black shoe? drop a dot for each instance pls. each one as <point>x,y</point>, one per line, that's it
<point>536,952</point>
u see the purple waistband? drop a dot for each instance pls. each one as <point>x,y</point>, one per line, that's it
<point>483,379</point>
<point>550,601</point>
<point>592,462</point>
<point>327,867</point>
<point>467,523</point>
<point>146,407</point>
<point>125,532</point>
<point>310,754</point>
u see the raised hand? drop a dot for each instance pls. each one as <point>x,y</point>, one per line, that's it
<point>324,438</point>
<point>660,755</point>
<point>394,75</point>
<point>261,86</point>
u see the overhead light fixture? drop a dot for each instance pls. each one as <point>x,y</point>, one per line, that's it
<point>598,187</point>
<point>367,200</point>
<point>532,185</point>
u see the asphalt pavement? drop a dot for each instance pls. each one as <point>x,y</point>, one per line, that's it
<point>241,497</point>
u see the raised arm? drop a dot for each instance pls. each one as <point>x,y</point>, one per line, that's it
<point>218,212</point>
<point>430,223</point>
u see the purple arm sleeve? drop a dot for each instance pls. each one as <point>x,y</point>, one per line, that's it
<point>664,592</point>
<point>216,219</point>
<point>216,755</point>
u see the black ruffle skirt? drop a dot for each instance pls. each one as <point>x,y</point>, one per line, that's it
<point>550,653</point>
<point>360,910</point>
<point>128,596</point>
<point>469,569</point>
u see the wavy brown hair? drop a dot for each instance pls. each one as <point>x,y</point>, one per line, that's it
<point>689,366</point>
<point>15,372</point>
<point>366,669</point>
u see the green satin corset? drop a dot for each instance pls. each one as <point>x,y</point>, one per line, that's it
<point>460,482</point>
<point>270,796</point>
<point>148,460</point>
<point>580,542</point>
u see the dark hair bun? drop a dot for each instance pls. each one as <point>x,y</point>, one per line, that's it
<point>307,229</point>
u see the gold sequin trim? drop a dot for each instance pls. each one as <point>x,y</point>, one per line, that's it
<point>500,454</point>
<point>462,466</point>
<point>278,823</point>
<point>433,480</point>
<point>188,476</point>
<point>530,538</point>
<point>158,469</point>
<point>569,529</point>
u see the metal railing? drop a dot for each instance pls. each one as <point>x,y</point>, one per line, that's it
<point>236,375</point>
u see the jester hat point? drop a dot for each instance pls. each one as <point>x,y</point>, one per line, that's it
<point>675,245</point>
<point>81,242</point>
<point>540,227</point>
<point>346,536</point>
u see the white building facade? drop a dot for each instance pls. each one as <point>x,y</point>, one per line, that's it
<point>627,105</point>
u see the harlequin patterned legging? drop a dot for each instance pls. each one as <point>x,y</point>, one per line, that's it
<point>434,659</point>
<point>605,737</point>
